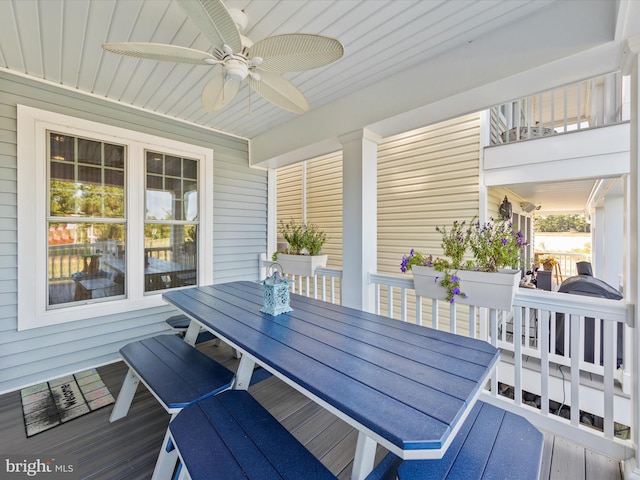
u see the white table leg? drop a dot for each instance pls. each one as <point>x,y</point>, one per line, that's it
<point>364,457</point>
<point>244,372</point>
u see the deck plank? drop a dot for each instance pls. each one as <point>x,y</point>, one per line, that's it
<point>567,461</point>
<point>599,466</point>
<point>128,449</point>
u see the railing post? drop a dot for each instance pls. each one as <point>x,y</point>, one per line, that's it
<point>517,346</point>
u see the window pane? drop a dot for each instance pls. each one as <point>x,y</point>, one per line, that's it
<point>89,151</point>
<point>113,155</point>
<point>190,169</point>
<point>191,205</point>
<point>173,166</point>
<point>170,256</point>
<point>85,262</point>
<point>154,162</point>
<point>62,171</point>
<point>159,205</point>
<point>89,175</point>
<point>62,147</point>
<point>63,199</point>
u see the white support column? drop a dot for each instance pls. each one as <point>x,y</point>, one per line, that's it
<point>631,66</point>
<point>597,241</point>
<point>613,240</point>
<point>359,217</point>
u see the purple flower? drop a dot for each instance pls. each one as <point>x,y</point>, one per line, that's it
<point>504,241</point>
<point>455,279</point>
<point>404,264</point>
<point>455,291</point>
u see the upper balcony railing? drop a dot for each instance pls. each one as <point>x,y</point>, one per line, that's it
<point>568,373</point>
<point>587,104</point>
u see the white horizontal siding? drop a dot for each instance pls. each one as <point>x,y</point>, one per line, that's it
<point>426,178</point>
<point>239,223</point>
<point>324,202</point>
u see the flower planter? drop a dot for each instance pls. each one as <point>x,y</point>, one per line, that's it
<point>303,265</point>
<point>426,282</point>
<point>483,289</point>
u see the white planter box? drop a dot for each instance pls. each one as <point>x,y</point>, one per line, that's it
<point>302,265</point>
<point>483,289</point>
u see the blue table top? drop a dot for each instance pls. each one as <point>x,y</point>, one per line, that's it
<point>409,385</point>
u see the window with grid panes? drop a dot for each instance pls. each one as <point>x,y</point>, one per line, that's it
<point>108,218</point>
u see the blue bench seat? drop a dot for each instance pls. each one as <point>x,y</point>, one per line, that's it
<point>231,436</point>
<point>492,444</point>
<point>176,373</point>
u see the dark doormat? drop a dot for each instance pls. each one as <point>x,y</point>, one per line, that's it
<point>48,404</point>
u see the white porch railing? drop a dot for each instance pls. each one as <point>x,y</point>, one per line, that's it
<point>566,263</point>
<point>581,396</point>
<point>325,285</point>
<point>591,103</point>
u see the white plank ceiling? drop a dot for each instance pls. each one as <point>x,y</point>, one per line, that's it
<point>60,41</point>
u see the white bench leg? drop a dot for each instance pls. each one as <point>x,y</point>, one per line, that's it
<point>167,459</point>
<point>125,397</point>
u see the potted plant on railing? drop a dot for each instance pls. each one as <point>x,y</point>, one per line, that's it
<point>303,253</point>
<point>485,281</point>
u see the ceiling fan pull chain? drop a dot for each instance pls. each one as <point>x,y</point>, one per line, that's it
<point>223,79</point>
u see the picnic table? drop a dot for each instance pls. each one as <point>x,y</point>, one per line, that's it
<point>403,386</point>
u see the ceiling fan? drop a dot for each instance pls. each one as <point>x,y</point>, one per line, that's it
<point>259,63</point>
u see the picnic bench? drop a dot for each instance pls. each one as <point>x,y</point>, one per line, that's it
<point>491,444</point>
<point>232,436</point>
<point>176,373</point>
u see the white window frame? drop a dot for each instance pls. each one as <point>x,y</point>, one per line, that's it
<point>33,125</point>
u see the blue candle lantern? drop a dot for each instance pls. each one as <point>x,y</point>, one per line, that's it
<point>276,293</point>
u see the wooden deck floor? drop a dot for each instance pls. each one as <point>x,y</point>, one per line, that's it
<point>128,448</point>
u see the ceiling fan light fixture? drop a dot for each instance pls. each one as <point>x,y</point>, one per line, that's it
<point>236,69</point>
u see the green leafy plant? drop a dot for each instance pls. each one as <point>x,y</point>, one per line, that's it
<point>303,238</point>
<point>494,245</point>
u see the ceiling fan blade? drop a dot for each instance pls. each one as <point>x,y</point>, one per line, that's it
<point>218,92</point>
<point>279,91</point>
<point>214,21</point>
<point>161,51</point>
<point>296,52</point>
